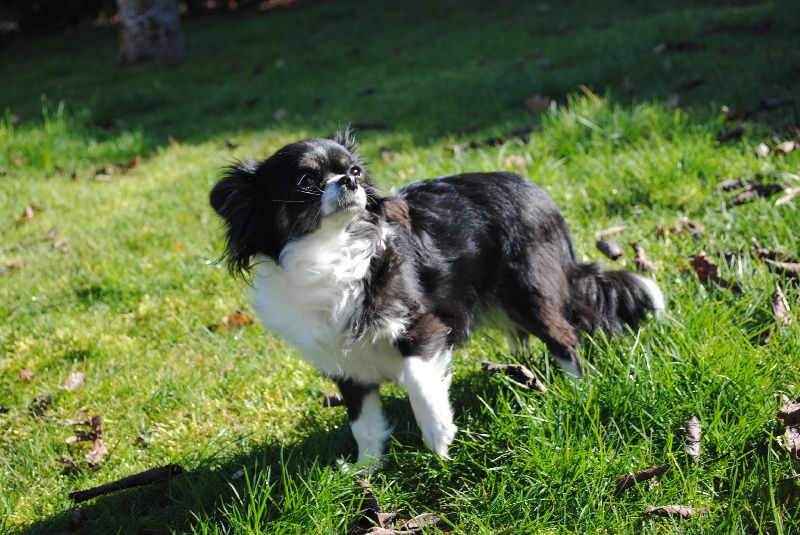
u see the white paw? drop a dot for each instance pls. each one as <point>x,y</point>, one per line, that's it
<point>366,465</point>
<point>438,436</point>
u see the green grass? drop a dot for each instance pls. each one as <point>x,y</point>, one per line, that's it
<point>129,298</point>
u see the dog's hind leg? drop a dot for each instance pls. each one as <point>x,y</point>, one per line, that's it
<point>367,422</point>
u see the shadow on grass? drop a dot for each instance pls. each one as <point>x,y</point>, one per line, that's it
<point>426,71</point>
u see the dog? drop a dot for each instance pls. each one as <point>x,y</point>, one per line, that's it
<point>373,287</point>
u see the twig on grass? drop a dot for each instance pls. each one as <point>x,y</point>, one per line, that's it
<point>148,477</point>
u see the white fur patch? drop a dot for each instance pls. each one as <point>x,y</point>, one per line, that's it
<point>655,294</point>
<point>310,298</point>
<point>428,384</point>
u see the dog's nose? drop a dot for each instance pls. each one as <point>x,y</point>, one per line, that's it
<point>348,182</point>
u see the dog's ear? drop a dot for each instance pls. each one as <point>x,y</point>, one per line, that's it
<point>347,139</point>
<point>235,199</point>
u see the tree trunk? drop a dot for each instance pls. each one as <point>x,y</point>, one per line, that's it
<point>150,29</point>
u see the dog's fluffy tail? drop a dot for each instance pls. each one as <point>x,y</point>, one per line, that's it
<point>609,300</point>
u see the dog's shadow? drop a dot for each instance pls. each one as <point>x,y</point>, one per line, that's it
<point>205,491</point>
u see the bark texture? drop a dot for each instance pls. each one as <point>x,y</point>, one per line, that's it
<point>150,30</point>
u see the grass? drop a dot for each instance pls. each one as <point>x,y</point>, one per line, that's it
<point>128,299</point>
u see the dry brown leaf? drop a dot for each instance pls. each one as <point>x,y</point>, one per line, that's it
<point>693,433</point>
<point>789,413</point>
<point>675,511</point>
<point>640,260</point>
<point>40,404</point>
<point>779,307</point>
<point>753,192</point>
<point>609,231</point>
<point>791,441</point>
<point>62,245</point>
<point>706,270</point>
<point>538,103</point>
<point>610,248</point>
<point>27,214</point>
<point>789,194</point>
<point>764,253</point>
<point>790,270</point>
<point>74,381</point>
<point>96,453</point>
<point>682,226</point>
<point>11,265</point>
<point>518,373</point>
<point>734,183</point>
<point>786,146</point>
<point>626,481</point>
<point>234,320</point>
<point>25,376</point>
<point>52,234</point>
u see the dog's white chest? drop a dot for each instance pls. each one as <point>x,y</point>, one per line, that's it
<point>311,298</point>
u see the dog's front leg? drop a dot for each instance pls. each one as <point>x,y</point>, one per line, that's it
<point>366,420</point>
<point>428,384</point>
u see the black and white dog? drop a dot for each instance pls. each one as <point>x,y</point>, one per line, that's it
<point>373,288</point>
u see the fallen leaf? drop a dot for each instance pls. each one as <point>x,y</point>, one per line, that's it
<point>765,253</point>
<point>693,438</point>
<point>773,103</point>
<point>124,168</point>
<point>52,234</point>
<point>74,381</point>
<point>735,115</point>
<point>19,161</point>
<point>516,162</point>
<point>790,194</point>
<point>517,372</point>
<point>789,270</point>
<point>763,150</point>
<point>674,511</point>
<point>538,103</point>
<point>25,376</point>
<point>732,135</point>
<point>680,227</point>
<point>734,183</point>
<point>62,245</point>
<point>780,307</point>
<point>610,248</point>
<point>791,441</point>
<point>180,246</point>
<point>640,259</point>
<point>418,523</point>
<point>10,265</point>
<point>40,405</point>
<point>789,413</point>
<point>386,154</point>
<point>707,271</point>
<point>688,85</point>
<point>281,114</point>
<point>626,481</point>
<point>236,319</point>
<point>27,214</point>
<point>96,453</point>
<point>101,177</point>
<point>69,463</point>
<point>609,231</point>
<point>753,192</point>
<point>787,146</point>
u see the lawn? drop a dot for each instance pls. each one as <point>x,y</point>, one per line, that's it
<point>629,113</point>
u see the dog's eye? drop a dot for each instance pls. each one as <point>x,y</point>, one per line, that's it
<point>355,171</point>
<point>306,182</point>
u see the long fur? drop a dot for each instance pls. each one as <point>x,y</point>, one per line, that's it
<point>373,288</point>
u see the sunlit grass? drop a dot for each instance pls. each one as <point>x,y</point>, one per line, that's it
<point>128,295</point>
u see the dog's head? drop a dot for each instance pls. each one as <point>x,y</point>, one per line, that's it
<point>266,204</point>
